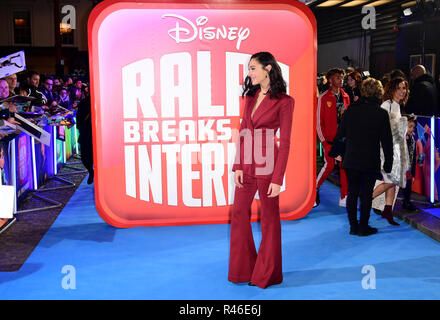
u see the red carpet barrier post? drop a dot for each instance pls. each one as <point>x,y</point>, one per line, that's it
<point>61,154</point>
<point>26,177</point>
<point>165,87</point>
<point>30,164</point>
<point>69,147</point>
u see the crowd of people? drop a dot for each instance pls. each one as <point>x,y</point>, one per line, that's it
<point>347,98</point>
<point>367,128</point>
<point>56,100</point>
<point>49,91</point>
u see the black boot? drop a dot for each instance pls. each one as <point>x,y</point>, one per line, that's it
<point>366,231</point>
<point>354,229</point>
<point>90,179</point>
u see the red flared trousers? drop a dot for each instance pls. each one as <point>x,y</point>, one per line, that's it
<point>265,268</point>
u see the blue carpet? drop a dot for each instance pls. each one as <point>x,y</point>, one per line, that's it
<point>320,259</point>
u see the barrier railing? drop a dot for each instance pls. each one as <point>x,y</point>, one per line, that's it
<point>27,164</point>
<point>427,176</point>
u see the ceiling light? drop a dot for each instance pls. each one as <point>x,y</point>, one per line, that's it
<point>378,3</point>
<point>354,3</point>
<point>330,3</point>
<point>409,4</point>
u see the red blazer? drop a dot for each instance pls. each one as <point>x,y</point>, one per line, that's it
<point>257,136</point>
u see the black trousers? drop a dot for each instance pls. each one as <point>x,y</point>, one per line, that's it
<point>359,184</point>
<point>407,192</point>
<point>85,141</point>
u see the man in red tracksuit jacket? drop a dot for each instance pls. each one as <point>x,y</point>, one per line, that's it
<point>331,105</point>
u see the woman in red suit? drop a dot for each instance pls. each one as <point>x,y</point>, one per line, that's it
<point>260,165</point>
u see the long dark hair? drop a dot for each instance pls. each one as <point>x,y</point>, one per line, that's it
<point>277,83</point>
<point>392,86</point>
<point>356,76</point>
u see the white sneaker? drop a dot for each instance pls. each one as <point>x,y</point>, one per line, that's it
<point>315,205</point>
<point>343,202</point>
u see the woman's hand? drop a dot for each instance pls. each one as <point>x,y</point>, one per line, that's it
<point>238,178</point>
<point>274,190</point>
<point>12,120</point>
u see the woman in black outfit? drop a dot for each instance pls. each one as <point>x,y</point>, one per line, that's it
<point>365,126</point>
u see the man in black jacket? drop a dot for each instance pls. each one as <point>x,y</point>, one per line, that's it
<point>423,94</point>
<point>47,91</point>
<point>32,91</point>
<point>364,126</point>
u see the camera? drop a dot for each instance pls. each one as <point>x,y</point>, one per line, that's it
<point>365,74</point>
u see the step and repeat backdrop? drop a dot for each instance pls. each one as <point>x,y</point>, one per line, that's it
<point>166,84</point>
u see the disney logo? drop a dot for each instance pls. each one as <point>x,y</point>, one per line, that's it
<point>187,31</point>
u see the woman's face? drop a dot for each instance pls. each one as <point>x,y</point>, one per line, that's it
<point>400,92</point>
<point>257,73</point>
<point>351,82</point>
<point>4,89</point>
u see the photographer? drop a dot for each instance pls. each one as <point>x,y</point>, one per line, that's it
<point>47,91</point>
<point>323,84</point>
<point>33,81</point>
